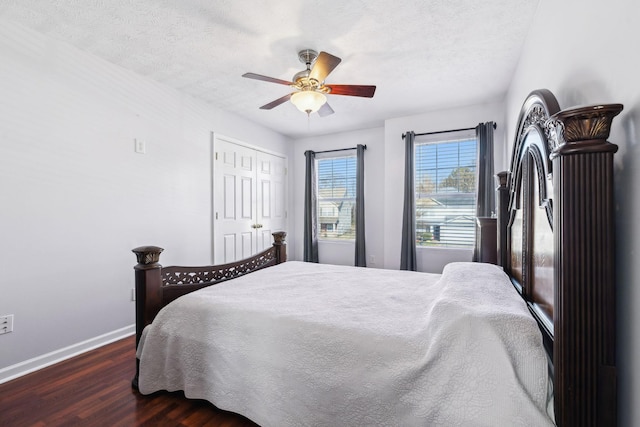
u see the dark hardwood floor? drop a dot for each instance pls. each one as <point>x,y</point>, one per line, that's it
<point>94,389</point>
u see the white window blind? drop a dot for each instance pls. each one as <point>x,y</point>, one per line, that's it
<point>445,186</point>
<point>336,197</point>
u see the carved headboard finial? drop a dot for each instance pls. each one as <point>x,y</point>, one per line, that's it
<point>502,179</point>
<point>147,255</point>
<point>279,237</point>
<point>589,126</point>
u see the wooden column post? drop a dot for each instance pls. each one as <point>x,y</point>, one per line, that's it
<point>280,246</point>
<point>584,315</point>
<point>148,283</point>
<point>503,216</point>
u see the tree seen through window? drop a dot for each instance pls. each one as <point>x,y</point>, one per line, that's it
<point>445,186</point>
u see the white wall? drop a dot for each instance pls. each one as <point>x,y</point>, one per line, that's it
<point>332,252</point>
<point>586,52</point>
<point>428,259</point>
<point>76,198</point>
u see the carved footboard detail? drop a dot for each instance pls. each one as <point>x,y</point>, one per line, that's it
<point>157,286</point>
<point>194,275</point>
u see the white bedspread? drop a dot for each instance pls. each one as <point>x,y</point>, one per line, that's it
<point>304,344</point>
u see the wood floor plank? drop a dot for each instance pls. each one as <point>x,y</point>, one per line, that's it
<point>94,389</point>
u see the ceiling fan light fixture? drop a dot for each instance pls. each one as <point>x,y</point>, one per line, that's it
<point>308,101</point>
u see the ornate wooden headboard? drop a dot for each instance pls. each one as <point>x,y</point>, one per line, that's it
<point>556,241</point>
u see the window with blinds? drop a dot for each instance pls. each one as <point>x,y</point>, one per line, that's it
<point>445,189</point>
<point>336,197</point>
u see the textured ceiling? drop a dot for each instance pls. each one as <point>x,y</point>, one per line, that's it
<point>421,54</point>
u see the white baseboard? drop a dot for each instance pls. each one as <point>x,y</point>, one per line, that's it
<point>23,368</point>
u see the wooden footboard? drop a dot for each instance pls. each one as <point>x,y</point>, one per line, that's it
<point>157,286</point>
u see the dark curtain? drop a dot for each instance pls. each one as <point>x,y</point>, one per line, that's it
<point>310,210</point>
<point>485,205</point>
<point>361,254</point>
<point>408,249</point>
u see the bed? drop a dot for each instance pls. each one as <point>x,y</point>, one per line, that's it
<point>528,342</point>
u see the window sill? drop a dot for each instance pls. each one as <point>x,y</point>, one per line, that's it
<point>442,248</point>
<point>336,241</point>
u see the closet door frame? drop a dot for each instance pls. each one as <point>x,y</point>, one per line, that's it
<point>253,181</point>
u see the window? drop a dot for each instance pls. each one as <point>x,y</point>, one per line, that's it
<point>445,186</point>
<point>336,197</point>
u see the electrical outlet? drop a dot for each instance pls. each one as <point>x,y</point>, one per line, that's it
<point>372,259</point>
<point>133,294</point>
<point>6,324</point>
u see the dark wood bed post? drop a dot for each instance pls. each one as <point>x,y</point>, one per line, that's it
<point>148,284</point>
<point>148,294</point>
<point>584,321</point>
<point>503,216</point>
<point>280,246</point>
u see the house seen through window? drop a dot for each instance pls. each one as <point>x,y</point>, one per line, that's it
<point>336,197</point>
<point>445,189</point>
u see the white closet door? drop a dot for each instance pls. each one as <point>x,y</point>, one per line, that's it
<point>249,200</point>
<point>271,213</point>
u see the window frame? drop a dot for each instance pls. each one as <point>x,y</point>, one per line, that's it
<point>467,214</point>
<point>323,157</point>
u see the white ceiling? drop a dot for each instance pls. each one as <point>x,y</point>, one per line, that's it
<point>422,55</point>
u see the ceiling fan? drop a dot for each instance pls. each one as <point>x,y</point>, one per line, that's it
<point>310,89</point>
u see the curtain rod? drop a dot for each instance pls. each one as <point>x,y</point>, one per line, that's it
<point>339,149</point>
<point>444,131</point>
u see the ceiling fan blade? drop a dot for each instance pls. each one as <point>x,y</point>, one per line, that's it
<point>266,79</point>
<point>325,63</point>
<point>325,110</point>
<point>277,102</point>
<point>352,90</point>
